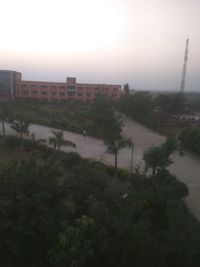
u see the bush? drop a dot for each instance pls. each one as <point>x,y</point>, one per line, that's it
<point>29,145</point>
<point>180,189</point>
<point>170,185</point>
<point>11,142</point>
<point>70,159</point>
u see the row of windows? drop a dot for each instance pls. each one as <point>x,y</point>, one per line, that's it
<point>42,93</point>
<point>69,87</point>
<point>97,89</point>
<point>43,86</point>
<point>61,94</point>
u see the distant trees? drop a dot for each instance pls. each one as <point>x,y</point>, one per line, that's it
<point>136,106</point>
<point>58,140</point>
<point>170,103</point>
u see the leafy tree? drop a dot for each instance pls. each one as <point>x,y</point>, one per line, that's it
<point>136,106</point>
<point>77,243</point>
<point>106,120</point>
<point>158,157</point>
<point>58,140</point>
<point>114,146</point>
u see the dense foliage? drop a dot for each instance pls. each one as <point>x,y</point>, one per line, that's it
<point>95,118</point>
<point>136,106</point>
<point>154,110</point>
<point>190,138</point>
<point>194,101</point>
<point>58,210</point>
<point>158,157</point>
<point>170,103</point>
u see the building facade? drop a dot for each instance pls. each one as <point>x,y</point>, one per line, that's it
<point>12,87</point>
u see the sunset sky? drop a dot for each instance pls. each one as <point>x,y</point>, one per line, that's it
<point>102,41</point>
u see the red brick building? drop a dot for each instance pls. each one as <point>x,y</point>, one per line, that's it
<point>12,86</point>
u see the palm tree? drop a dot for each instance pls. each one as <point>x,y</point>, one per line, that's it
<point>21,127</point>
<point>132,149</point>
<point>58,140</point>
<point>114,146</point>
<point>4,114</point>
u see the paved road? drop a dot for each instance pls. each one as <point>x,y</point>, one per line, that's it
<point>186,168</point>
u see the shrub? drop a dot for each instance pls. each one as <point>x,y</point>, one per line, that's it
<point>70,159</point>
<point>11,142</point>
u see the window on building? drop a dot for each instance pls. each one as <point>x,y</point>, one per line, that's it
<point>43,86</point>
<point>71,87</point>
<point>62,94</point>
<point>71,93</point>
<point>80,94</point>
<point>44,93</point>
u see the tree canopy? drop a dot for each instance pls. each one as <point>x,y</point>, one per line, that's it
<point>158,157</point>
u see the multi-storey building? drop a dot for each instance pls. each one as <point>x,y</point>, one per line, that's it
<point>12,86</point>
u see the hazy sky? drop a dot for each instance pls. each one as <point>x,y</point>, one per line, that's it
<point>108,41</point>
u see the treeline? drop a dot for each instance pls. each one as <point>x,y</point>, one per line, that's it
<point>72,116</point>
<point>57,209</point>
<point>77,116</point>
<point>141,106</point>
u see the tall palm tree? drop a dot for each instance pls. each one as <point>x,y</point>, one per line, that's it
<point>21,127</point>
<point>5,111</point>
<point>132,149</point>
<point>114,146</point>
<point>58,140</point>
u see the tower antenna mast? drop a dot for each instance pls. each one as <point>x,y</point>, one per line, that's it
<point>182,86</point>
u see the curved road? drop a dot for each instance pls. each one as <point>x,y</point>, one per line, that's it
<point>186,168</point>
